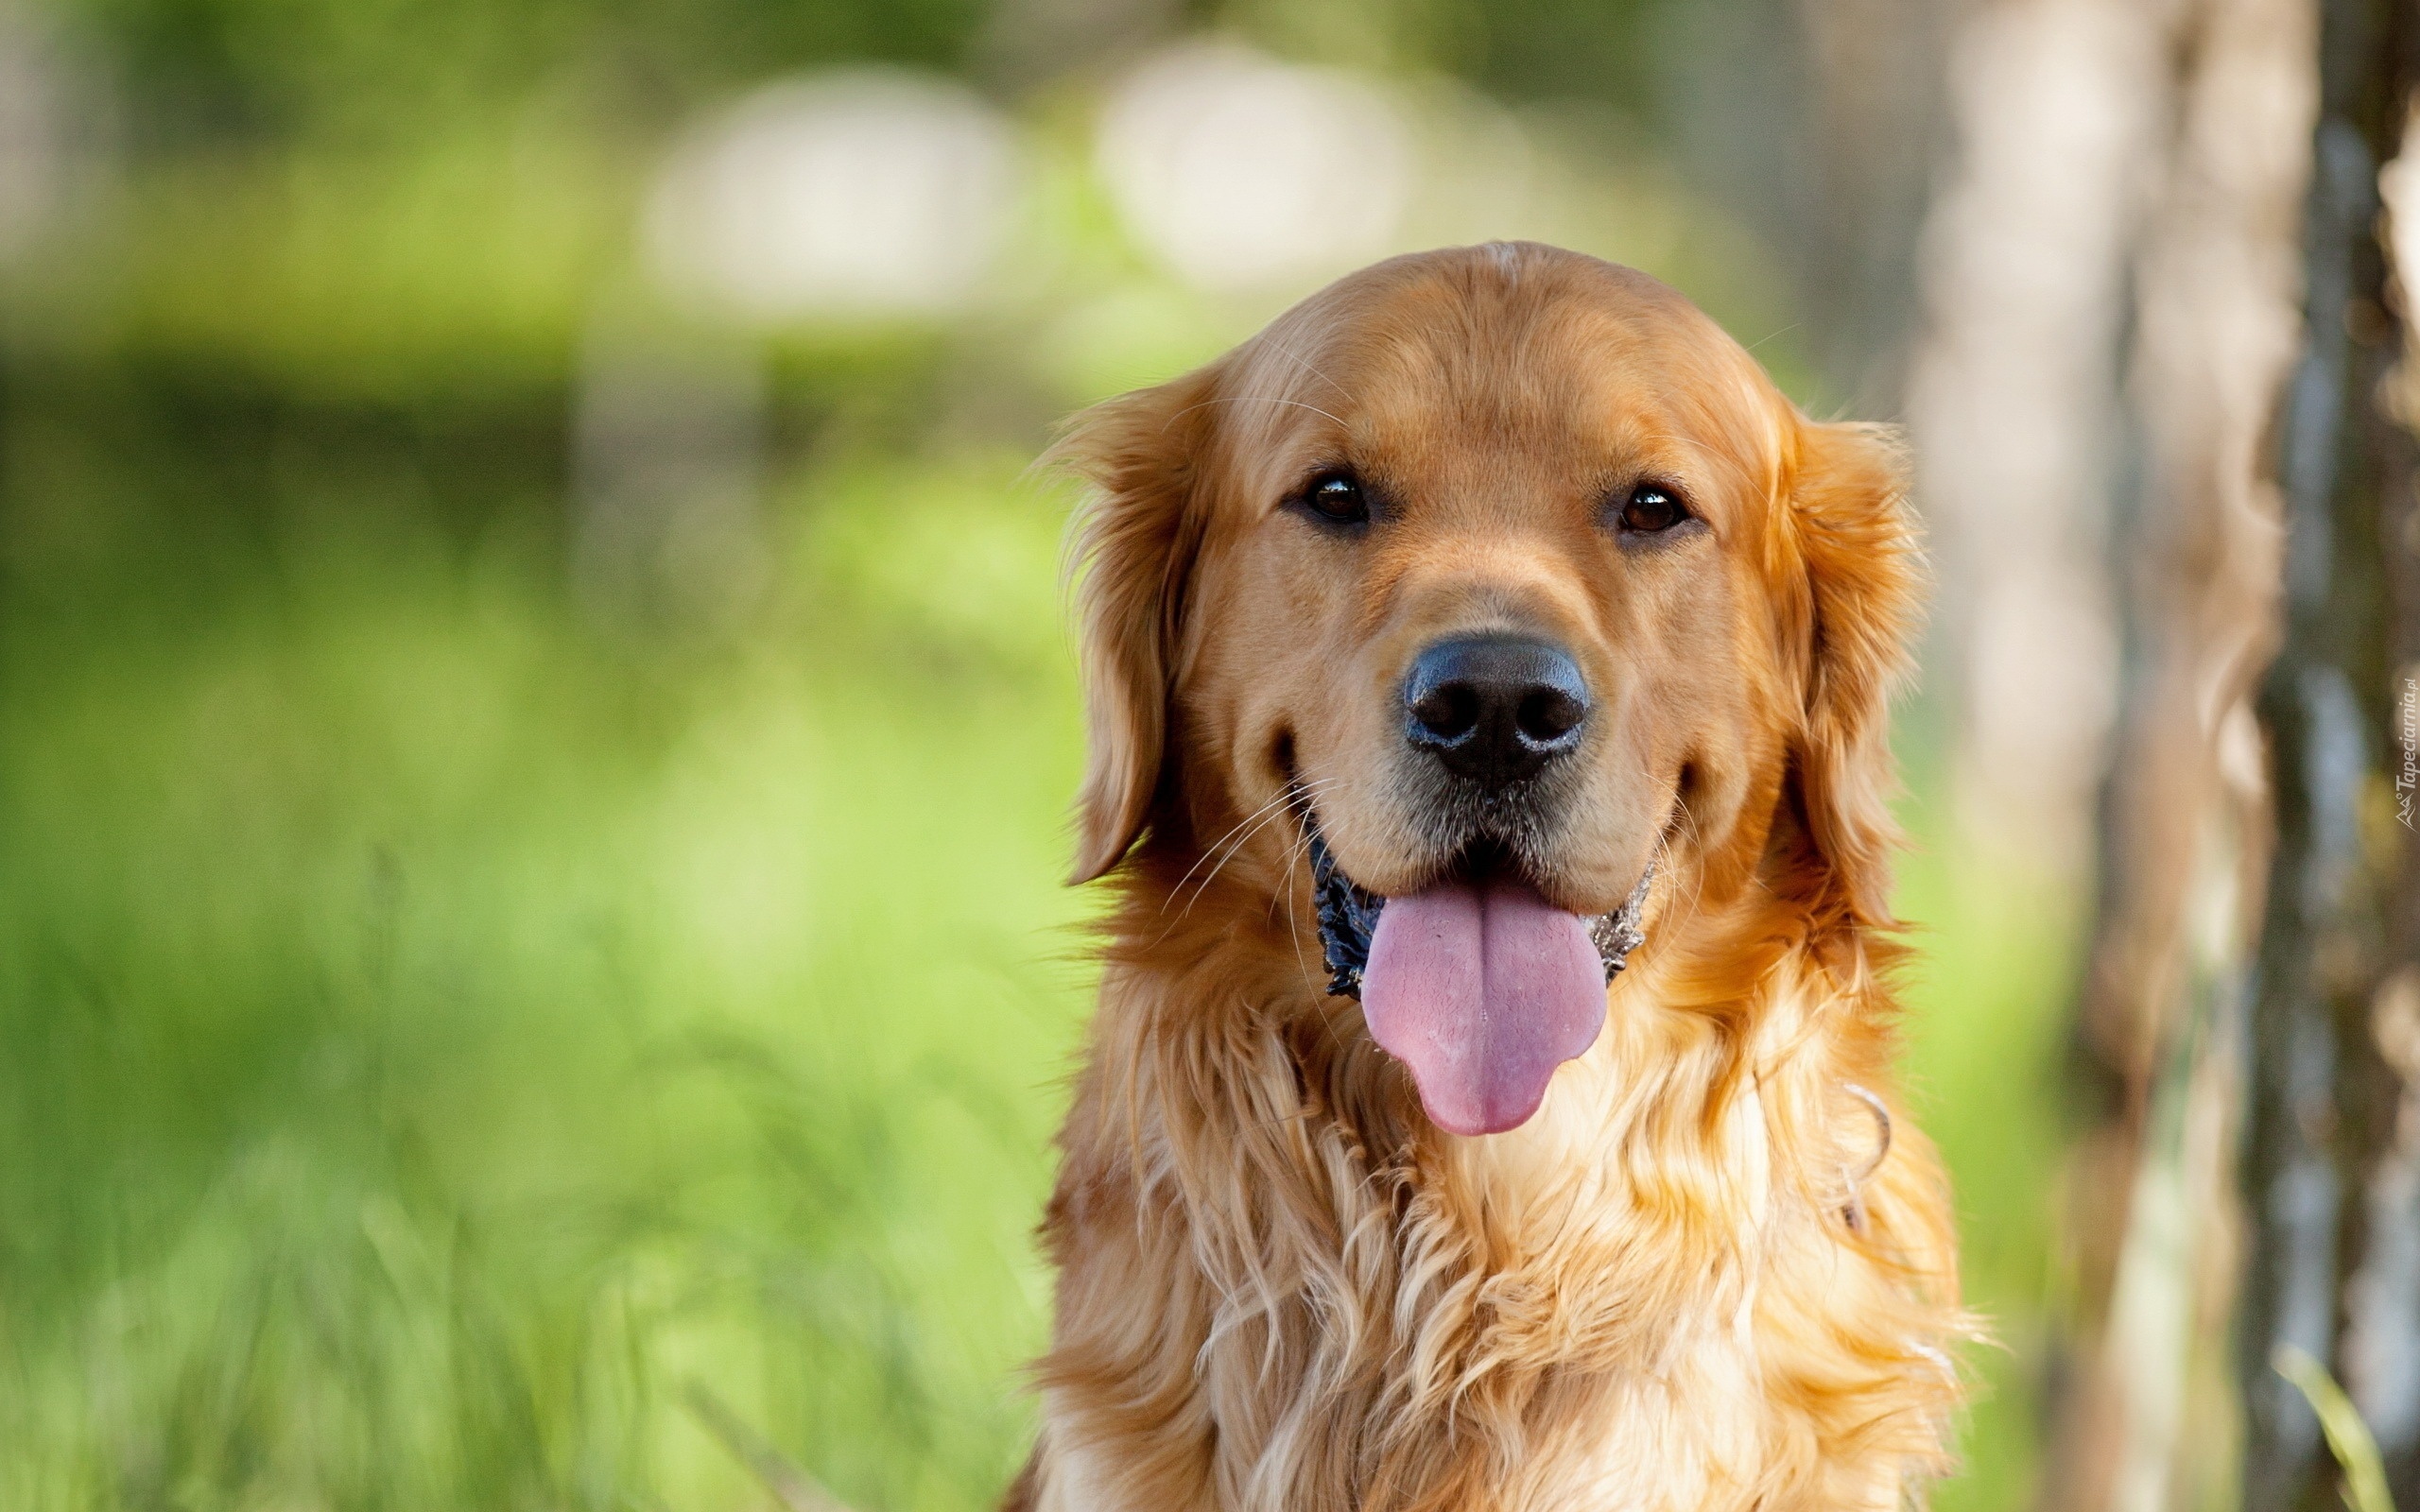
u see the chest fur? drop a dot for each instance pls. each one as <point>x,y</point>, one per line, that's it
<point>1637,1300</point>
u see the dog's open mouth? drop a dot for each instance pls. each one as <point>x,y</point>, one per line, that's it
<point>1476,983</point>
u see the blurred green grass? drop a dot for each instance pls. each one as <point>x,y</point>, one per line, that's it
<point>433,1034</point>
<point>435,1031</point>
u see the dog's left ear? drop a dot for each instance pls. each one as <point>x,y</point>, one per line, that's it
<point>1134,547</point>
<point>1862,586</point>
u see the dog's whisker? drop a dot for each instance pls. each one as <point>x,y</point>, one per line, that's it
<point>1212,849</point>
<point>1238,833</point>
<point>1261,818</point>
<point>1234,849</point>
<point>1297,850</point>
<point>1697,876</point>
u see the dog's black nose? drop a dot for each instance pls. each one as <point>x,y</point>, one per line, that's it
<point>1495,708</point>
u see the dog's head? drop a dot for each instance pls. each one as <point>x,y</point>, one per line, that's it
<point>1509,574</point>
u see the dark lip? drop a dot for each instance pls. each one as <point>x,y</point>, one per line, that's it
<point>1348,912</point>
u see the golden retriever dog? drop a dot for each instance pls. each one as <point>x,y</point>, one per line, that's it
<point>1487,1107</point>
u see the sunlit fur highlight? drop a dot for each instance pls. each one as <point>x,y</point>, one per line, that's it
<point>1279,1286</point>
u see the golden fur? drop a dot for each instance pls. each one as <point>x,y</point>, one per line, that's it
<point>1280,1286</point>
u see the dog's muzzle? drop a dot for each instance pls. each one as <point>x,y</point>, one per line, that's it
<point>1349,915</point>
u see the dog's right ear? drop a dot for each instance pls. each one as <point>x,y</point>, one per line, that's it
<point>1134,545</point>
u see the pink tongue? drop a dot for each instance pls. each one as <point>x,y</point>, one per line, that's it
<point>1482,992</point>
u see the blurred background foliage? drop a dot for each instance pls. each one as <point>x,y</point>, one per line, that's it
<point>531,781</point>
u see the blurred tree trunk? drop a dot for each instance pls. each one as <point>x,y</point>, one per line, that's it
<point>2142,1397</point>
<point>2331,1166</point>
<point>2301,1052</point>
<point>2013,400</point>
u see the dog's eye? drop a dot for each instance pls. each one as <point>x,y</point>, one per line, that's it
<point>1652,508</point>
<point>1337,497</point>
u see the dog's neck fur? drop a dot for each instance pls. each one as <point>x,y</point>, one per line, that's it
<point>1344,1308</point>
